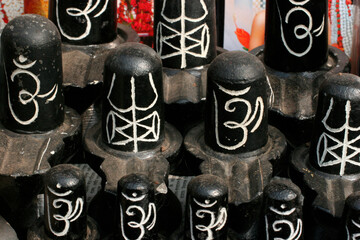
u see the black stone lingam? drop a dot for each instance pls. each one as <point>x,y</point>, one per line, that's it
<point>37,131</point>
<point>297,59</point>
<point>206,208</point>
<point>65,207</point>
<point>84,22</point>
<point>185,39</point>
<point>132,136</point>
<point>283,210</point>
<point>351,217</point>
<point>296,35</point>
<point>137,210</point>
<point>236,143</point>
<point>329,170</point>
<point>185,34</point>
<point>88,31</point>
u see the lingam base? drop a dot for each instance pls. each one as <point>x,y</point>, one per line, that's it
<point>325,195</point>
<point>293,95</point>
<point>246,174</point>
<point>25,158</point>
<point>37,231</point>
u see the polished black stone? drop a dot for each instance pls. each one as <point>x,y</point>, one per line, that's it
<point>137,210</point>
<point>84,22</point>
<point>335,148</point>
<point>351,217</point>
<point>236,104</point>
<point>132,117</point>
<point>32,59</point>
<point>206,208</point>
<point>283,210</point>
<point>185,32</point>
<point>65,203</point>
<point>296,35</point>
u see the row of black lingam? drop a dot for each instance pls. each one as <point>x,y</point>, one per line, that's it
<point>130,136</point>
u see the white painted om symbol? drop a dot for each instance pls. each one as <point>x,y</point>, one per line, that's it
<point>259,108</point>
<point>300,27</point>
<point>75,12</point>
<point>215,223</point>
<point>71,214</point>
<point>145,218</point>
<point>26,97</point>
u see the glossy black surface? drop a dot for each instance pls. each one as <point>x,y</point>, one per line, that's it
<point>296,35</point>
<point>33,64</point>
<point>138,215</point>
<point>206,208</point>
<point>236,104</point>
<point>335,146</point>
<point>84,22</point>
<point>283,210</point>
<point>132,117</point>
<point>65,203</point>
<point>185,32</point>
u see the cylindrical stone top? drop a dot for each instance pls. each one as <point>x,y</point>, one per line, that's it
<point>352,216</point>
<point>32,59</point>
<point>185,32</point>
<point>283,210</point>
<point>296,34</point>
<point>206,208</point>
<point>335,146</point>
<point>84,22</point>
<point>65,203</point>
<point>135,198</point>
<point>236,103</point>
<point>133,103</point>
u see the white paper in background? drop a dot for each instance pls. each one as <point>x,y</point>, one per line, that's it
<point>238,13</point>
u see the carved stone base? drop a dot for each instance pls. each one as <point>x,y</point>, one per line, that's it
<point>25,157</point>
<point>325,195</point>
<point>331,190</point>
<point>83,67</point>
<point>293,95</point>
<point>246,174</point>
<point>114,164</point>
<point>37,231</point>
<point>186,84</point>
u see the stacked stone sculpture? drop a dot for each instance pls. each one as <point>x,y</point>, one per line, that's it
<point>132,136</point>
<point>185,38</point>
<point>236,143</point>
<point>297,59</point>
<point>37,130</point>
<point>65,207</point>
<point>328,170</point>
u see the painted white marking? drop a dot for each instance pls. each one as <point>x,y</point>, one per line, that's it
<point>71,214</point>
<point>145,218</point>
<point>306,30</point>
<point>76,12</point>
<point>285,213</point>
<point>215,224</point>
<point>294,234</point>
<point>134,198</point>
<point>345,145</point>
<point>152,132</point>
<point>183,49</point>
<point>25,97</point>
<point>43,153</point>
<point>248,119</point>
